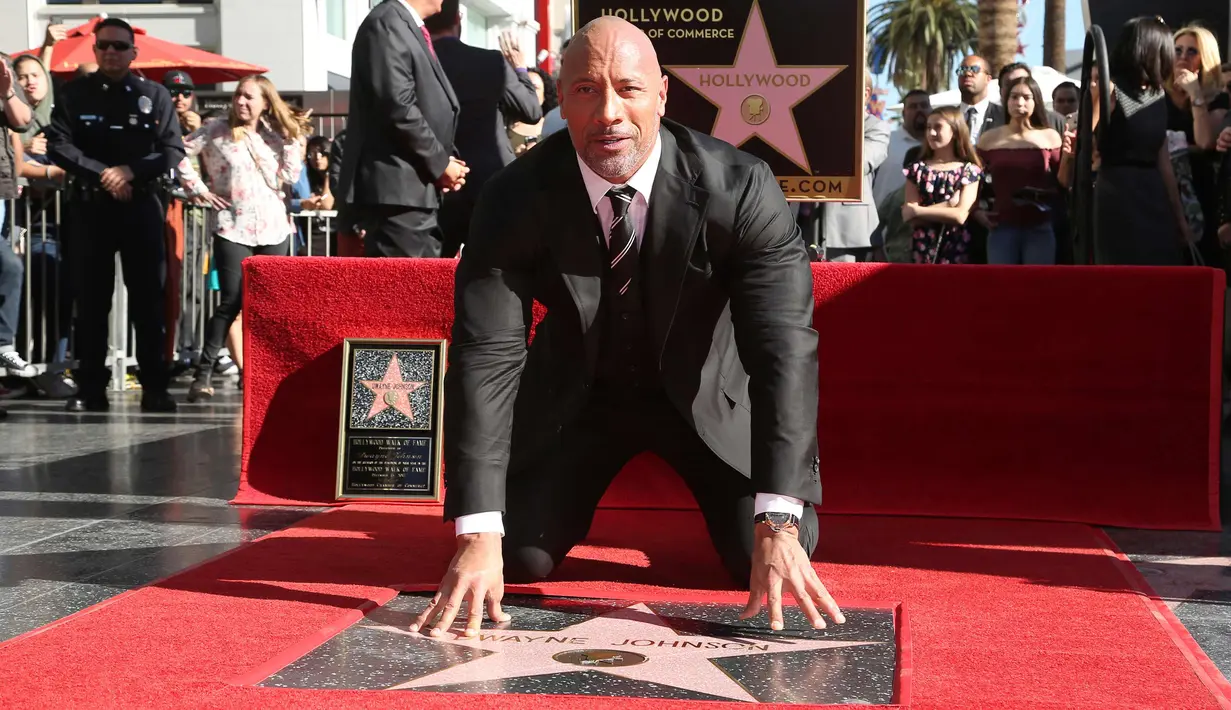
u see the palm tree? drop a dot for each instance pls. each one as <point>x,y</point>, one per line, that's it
<point>1053,35</point>
<point>998,32</point>
<point>918,40</point>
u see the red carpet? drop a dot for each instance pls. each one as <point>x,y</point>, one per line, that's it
<point>1002,614</point>
<point>1074,394</point>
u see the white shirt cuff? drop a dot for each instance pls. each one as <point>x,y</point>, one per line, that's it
<point>773,503</point>
<point>489,522</point>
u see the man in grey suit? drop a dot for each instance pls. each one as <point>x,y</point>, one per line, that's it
<point>679,320</point>
<point>493,89</point>
<point>403,114</point>
<point>848,226</point>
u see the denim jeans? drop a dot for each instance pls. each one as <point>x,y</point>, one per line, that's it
<point>11,271</point>
<point>1009,244</point>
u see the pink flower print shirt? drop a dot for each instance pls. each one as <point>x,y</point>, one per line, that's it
<point>250,174</point>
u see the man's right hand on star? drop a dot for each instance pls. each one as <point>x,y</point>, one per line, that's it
<point>780,564</point>
<point>475,576</point>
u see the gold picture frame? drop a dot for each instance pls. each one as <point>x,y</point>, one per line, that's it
<point>391,424</point>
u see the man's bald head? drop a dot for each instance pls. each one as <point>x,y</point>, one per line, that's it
<point>613,95</point>
<point>609,33</point>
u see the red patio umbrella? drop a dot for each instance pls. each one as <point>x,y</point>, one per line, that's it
<point>155,57</point>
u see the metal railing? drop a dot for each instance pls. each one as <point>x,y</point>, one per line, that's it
<point>38,231</point>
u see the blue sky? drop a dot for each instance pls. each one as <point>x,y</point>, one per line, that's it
<point>1032,35</point>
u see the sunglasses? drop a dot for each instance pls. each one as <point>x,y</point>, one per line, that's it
<point>103,45</point>
<point>182,93</point>
<point>969,71</point>
<point>1186,52</point>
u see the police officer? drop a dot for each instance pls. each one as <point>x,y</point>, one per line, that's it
<point>117,135</point>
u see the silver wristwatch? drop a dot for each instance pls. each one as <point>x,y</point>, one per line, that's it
<point>777,521</point>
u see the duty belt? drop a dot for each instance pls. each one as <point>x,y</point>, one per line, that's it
<point>93,193</point>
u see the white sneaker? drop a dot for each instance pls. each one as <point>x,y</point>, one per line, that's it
<point>16,366</point>
<point>224,365</point>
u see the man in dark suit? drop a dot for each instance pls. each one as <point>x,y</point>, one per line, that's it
<point>403,113</point>
<point>679,299</point>
<point>493,90</point>
<point>974,77</point>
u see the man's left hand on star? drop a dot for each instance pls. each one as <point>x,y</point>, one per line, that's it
<point>779,565</point>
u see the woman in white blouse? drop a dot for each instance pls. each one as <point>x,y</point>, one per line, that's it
<point>248,158</point>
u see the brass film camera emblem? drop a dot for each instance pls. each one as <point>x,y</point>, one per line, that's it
<point>754,110</point>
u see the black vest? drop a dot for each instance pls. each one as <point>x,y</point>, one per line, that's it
<point>626,351</point>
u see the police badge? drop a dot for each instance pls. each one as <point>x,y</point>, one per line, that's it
<point>145,104</point>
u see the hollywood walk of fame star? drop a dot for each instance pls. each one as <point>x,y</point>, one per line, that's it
<point>392,391</point>
<point>755,96</point>
<point>631,642</point>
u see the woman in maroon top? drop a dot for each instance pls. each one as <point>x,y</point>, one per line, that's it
<point>1021,159</point>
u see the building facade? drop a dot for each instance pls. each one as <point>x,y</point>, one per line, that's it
<point>305,43</point>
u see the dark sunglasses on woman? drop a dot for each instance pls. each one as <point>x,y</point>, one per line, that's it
<point>181,93</point>
<point>103,45</point>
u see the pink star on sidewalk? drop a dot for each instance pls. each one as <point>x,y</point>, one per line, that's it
<point>755,96</point>
<point>392,391</point>
<point>632,642</point>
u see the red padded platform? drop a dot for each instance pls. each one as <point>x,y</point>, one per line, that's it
<point>1086,394</point>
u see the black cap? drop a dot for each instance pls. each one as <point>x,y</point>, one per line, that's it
<point>177,79</point>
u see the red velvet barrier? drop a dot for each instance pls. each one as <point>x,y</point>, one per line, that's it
<point>1079,394</point>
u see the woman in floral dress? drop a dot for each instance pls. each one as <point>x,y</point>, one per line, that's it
<point>941,190</point>
<point>248,158</point>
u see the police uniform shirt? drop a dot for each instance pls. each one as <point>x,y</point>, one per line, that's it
<point>99,123</point>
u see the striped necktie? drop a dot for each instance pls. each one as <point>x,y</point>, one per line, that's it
<point>622,244</point>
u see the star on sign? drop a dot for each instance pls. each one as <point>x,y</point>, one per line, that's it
<point>755,96</point>
<point>392,391</point>
<point>632,642</point>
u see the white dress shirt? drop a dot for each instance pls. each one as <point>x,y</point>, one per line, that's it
<point>889,177</point>
<point>414,14</point>
<point>596,189</point>
<point>980,113</point>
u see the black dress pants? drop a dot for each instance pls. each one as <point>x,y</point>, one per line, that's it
<point>228,260</point>
<point>455,212</point>
<point>550,503</point>
<point>135,230</point>
<point>396,231</point>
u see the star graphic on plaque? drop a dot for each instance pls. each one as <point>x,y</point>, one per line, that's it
<point>392,391</point>
<point>609,648</point>
<point>755,95</point>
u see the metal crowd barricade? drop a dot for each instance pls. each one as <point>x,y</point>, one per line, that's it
<point>37,229</point>
<point>33,227</point>
<point>315,234</point>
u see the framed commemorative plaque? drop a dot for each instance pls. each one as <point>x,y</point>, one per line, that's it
<point>780,79</point>
<point>390,434</point>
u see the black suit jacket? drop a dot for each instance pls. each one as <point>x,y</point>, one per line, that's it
<point>728,297</point>
<point>994,116</point>
<point>403,114</point>
<point>491,95</point>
